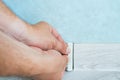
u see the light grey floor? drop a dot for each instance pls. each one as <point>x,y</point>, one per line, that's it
<point>93,62</point>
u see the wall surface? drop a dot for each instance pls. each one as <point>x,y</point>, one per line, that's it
<point>79,21</point>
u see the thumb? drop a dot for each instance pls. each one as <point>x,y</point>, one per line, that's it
<point>63,58</point>
<point>59,46</point>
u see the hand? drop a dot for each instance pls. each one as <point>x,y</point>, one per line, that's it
<point>40,35</point>
<point>43,36</point>
<point>30,61</point>
<point>57,75</point>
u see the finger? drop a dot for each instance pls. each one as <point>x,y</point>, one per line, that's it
<point>57,35</point>
<point>61,47</point>
<point>64,58</point>
<point>62,74</point>
<point>36,48</point>
<point>54,52</point>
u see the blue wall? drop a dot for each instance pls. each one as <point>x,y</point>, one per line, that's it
<point>79,21</point>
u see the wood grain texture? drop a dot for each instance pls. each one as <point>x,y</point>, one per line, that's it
<point>105,57</point>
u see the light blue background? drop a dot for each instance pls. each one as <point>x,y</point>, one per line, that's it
<point>79,21</point>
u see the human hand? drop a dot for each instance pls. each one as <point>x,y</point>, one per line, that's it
<point>43,36</point>
<point>57,75</point>
<point>22,60</point>
<point>40,35</point>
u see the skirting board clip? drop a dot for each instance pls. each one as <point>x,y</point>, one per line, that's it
<point>70,65</point>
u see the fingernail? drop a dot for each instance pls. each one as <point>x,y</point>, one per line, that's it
<point>68,51</point>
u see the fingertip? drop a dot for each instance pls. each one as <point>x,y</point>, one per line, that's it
<point>60,46</point>
<point>68,50</point>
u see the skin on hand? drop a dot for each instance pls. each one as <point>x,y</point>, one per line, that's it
<point>43,36</point>
<point>18,59</point>
<point>55,75</point>
<point>46,37</point>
